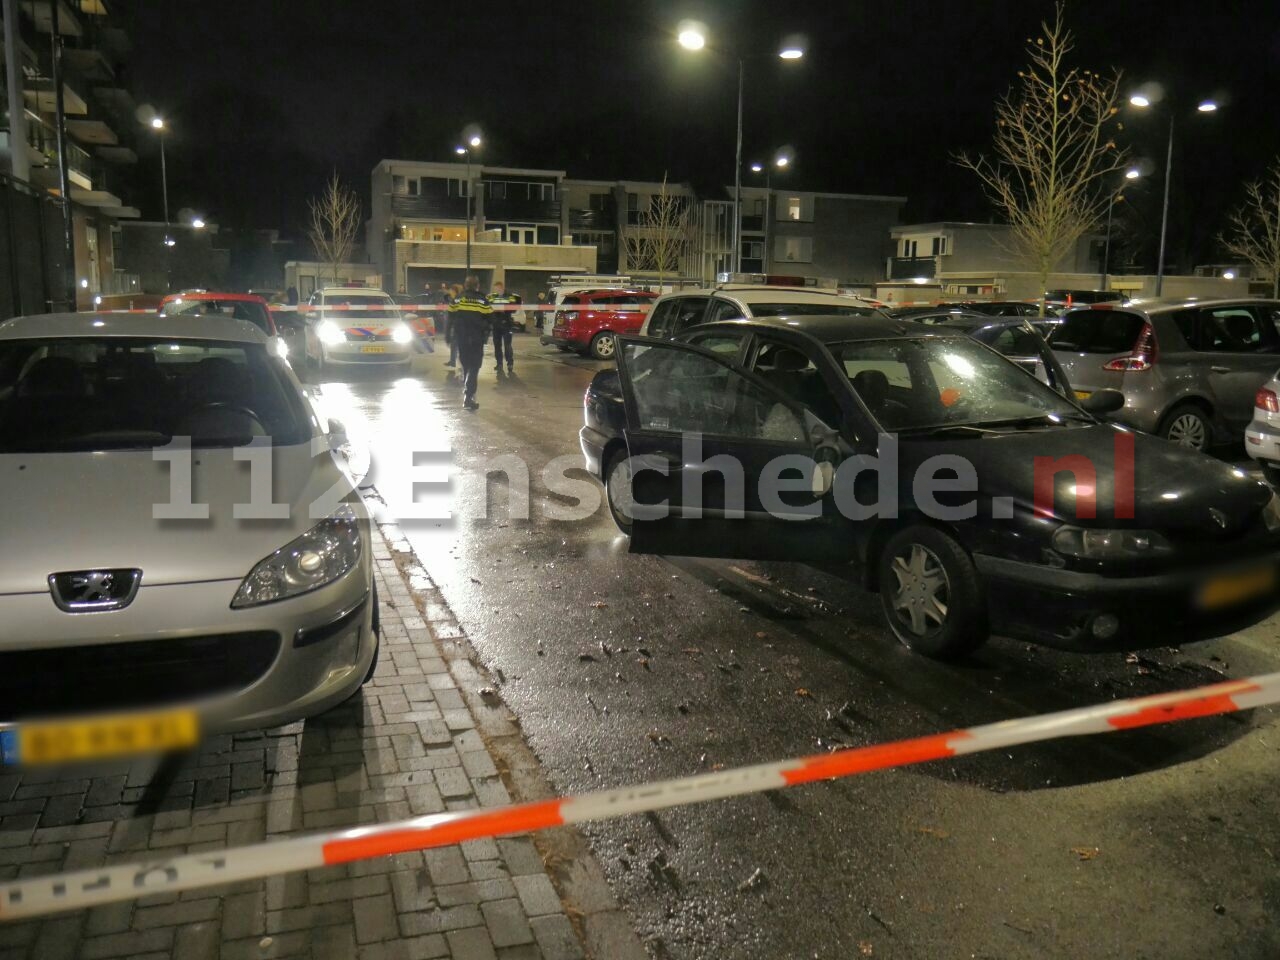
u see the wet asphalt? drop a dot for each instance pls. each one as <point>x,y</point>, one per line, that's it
<point>621,668</point>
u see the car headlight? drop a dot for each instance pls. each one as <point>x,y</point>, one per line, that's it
<point>329,333</point>
<point>1110,544</point>
<point>282,349</point>
<point>1271,514</point>
<point>401,333</point>
<point>320,556</point>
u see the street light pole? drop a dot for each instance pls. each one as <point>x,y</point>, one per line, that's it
<point>1133,173</point>
<point>1164,215</point>
<point>737,180</point>
<point>471,140</point>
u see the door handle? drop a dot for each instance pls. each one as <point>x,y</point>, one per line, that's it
<point>1220,369</point>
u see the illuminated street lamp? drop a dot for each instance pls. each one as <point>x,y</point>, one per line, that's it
<point>1133,173</point>
<point>197,223</point>
<point>471,141</point>
<point>1144,99</point>
<point>692,36</point>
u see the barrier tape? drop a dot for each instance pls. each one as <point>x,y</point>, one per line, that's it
<point>36,896</point>
<point>406,308</point>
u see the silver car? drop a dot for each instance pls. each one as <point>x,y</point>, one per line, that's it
<point>1188,370</point>
<point>1262,436</point>
<point>178,535</point>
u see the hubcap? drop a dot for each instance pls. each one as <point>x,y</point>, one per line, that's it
<point>604,346</point>
<point>621,496</point>
<point>1187,431</point>
<point>922,591</point>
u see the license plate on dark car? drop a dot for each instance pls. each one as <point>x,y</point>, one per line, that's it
<point>1231,589</point>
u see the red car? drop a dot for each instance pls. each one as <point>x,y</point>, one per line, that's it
<point>588,319</point>
<point>238,306</point>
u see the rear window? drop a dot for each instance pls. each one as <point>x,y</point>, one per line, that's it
<point>1097,331</point>
<point>810,310</point>
<point>255,313</point>
<point>571,300</point>
<point>81,394</point>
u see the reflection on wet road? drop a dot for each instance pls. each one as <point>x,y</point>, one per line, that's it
<point>623,668</point>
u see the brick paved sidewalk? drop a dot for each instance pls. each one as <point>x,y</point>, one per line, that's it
<point>406,746</point>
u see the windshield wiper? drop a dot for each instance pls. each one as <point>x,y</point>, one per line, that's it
<point>971,429</point>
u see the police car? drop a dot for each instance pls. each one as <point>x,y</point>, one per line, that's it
<point>356,326</point>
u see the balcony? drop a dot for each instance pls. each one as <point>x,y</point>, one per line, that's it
<point>908,268</point>
<point>520,208</point>
<point>447,253</point>
<point>598,220</point>
<point>428,208</point>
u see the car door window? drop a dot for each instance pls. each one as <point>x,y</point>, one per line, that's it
<point>690,311</point>
<point>723,310</point>
<point>679,390</point>
<point>1231,330</point>
<point>660,321</point>
<point>1018,342</point>
<point>725,344</point>
<point>794,372</point>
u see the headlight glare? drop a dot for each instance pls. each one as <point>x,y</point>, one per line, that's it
<point>329,333</point>
<point>1089,544</point>
<point>282,349</point>
<point>324,553</point>
<point>401,333</point>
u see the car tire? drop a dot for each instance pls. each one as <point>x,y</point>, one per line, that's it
<point>617,488</point>
<point>376,630</point>
<point>1188,425</point>
<point>930,593</point>
<point>602,346</point>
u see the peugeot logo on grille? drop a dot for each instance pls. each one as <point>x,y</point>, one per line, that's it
<point>93,591</point>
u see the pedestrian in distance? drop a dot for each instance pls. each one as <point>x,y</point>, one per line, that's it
<point>542,308</point>
<point>471,321</point>
<point>503,324</point>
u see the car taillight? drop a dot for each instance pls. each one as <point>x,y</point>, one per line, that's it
<point>1141,357</point>
<point>1267,400</point>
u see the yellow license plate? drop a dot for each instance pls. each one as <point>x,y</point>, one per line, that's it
<point>1229,590</point>
<point>1083,394</point>
<point>373,349</point>
<point>68,741</point>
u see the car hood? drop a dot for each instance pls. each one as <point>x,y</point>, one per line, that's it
<point>93,511</point>
<point>1175,490</point>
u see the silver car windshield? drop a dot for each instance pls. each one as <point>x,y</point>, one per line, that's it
<point>83,394</point>
<point>936,382</point>
<point>255,313</point>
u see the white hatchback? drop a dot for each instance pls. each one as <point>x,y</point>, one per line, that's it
<point>674,313</point>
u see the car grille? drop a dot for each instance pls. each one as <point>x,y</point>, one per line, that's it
<point>357,337</point>
<point>123,676</point>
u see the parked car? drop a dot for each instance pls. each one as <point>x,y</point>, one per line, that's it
<point>589,319</point>
<point>1019,339</point>
<point>356,326</point>
<point>1003,308</point>
<point>674,313</point>
<point>108,607</point>
<point>1195,555</point>
<point>127,301</point>
<point>1189,370</point>
<point>237,306</point>
<point>1061,300</point>
<point>1262,436</point>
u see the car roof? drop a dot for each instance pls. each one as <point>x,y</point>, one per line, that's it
<point>833,329</point>
<point>1169,305</point>
<point>756,293</point>
<point>612,292</point>
<point>365,291</point>
<point>203,295</point>
<point>183,327</point>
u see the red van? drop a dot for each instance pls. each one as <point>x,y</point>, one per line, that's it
<point>588,319</point>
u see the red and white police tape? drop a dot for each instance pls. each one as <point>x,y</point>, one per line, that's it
<point>35,896</point>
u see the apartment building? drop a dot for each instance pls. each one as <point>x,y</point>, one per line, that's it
<point>100,125</point>
<point>418,229</point>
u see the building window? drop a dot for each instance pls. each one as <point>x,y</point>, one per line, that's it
<point>459,188</point>
<point>940,247</point>
<point>794,249</point>
<point>545,192</point>
<point>497,190</point>
<point>598,202</point>
<point>633,208</point>
<point>397,184</point>
<point>796,208</point>
<point>909,248</point>
<point>753,249</point>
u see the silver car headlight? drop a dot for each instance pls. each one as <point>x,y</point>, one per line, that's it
<point>324,553</point>
<point>330,333</point>
<point>1110,544</point>
<point>1271,514</point>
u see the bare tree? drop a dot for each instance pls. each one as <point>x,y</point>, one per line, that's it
<point>335,222</point>
<point>1253,231</point>
<point>662,236</point>
<point>1053,152</point>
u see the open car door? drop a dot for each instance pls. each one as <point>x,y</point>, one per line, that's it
<point>722,463</point>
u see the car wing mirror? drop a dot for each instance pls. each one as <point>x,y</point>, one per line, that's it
<point>824,476</point>
<point>1102,402</point>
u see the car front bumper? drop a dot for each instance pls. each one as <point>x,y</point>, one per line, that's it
<point>355,352</point>
<point>323,642</point>
<point>1059,608</point>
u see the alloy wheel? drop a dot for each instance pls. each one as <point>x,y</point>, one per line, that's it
<point>1187,430</point>
<point>922,592</point>
<point>604,347</point>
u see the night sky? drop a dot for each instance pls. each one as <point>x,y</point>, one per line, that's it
<point>265,98</point>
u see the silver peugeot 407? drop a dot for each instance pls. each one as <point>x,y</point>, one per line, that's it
<point>177,533</point>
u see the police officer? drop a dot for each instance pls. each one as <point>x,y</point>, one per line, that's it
<point>503,324</point>
<point>470,320</point>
